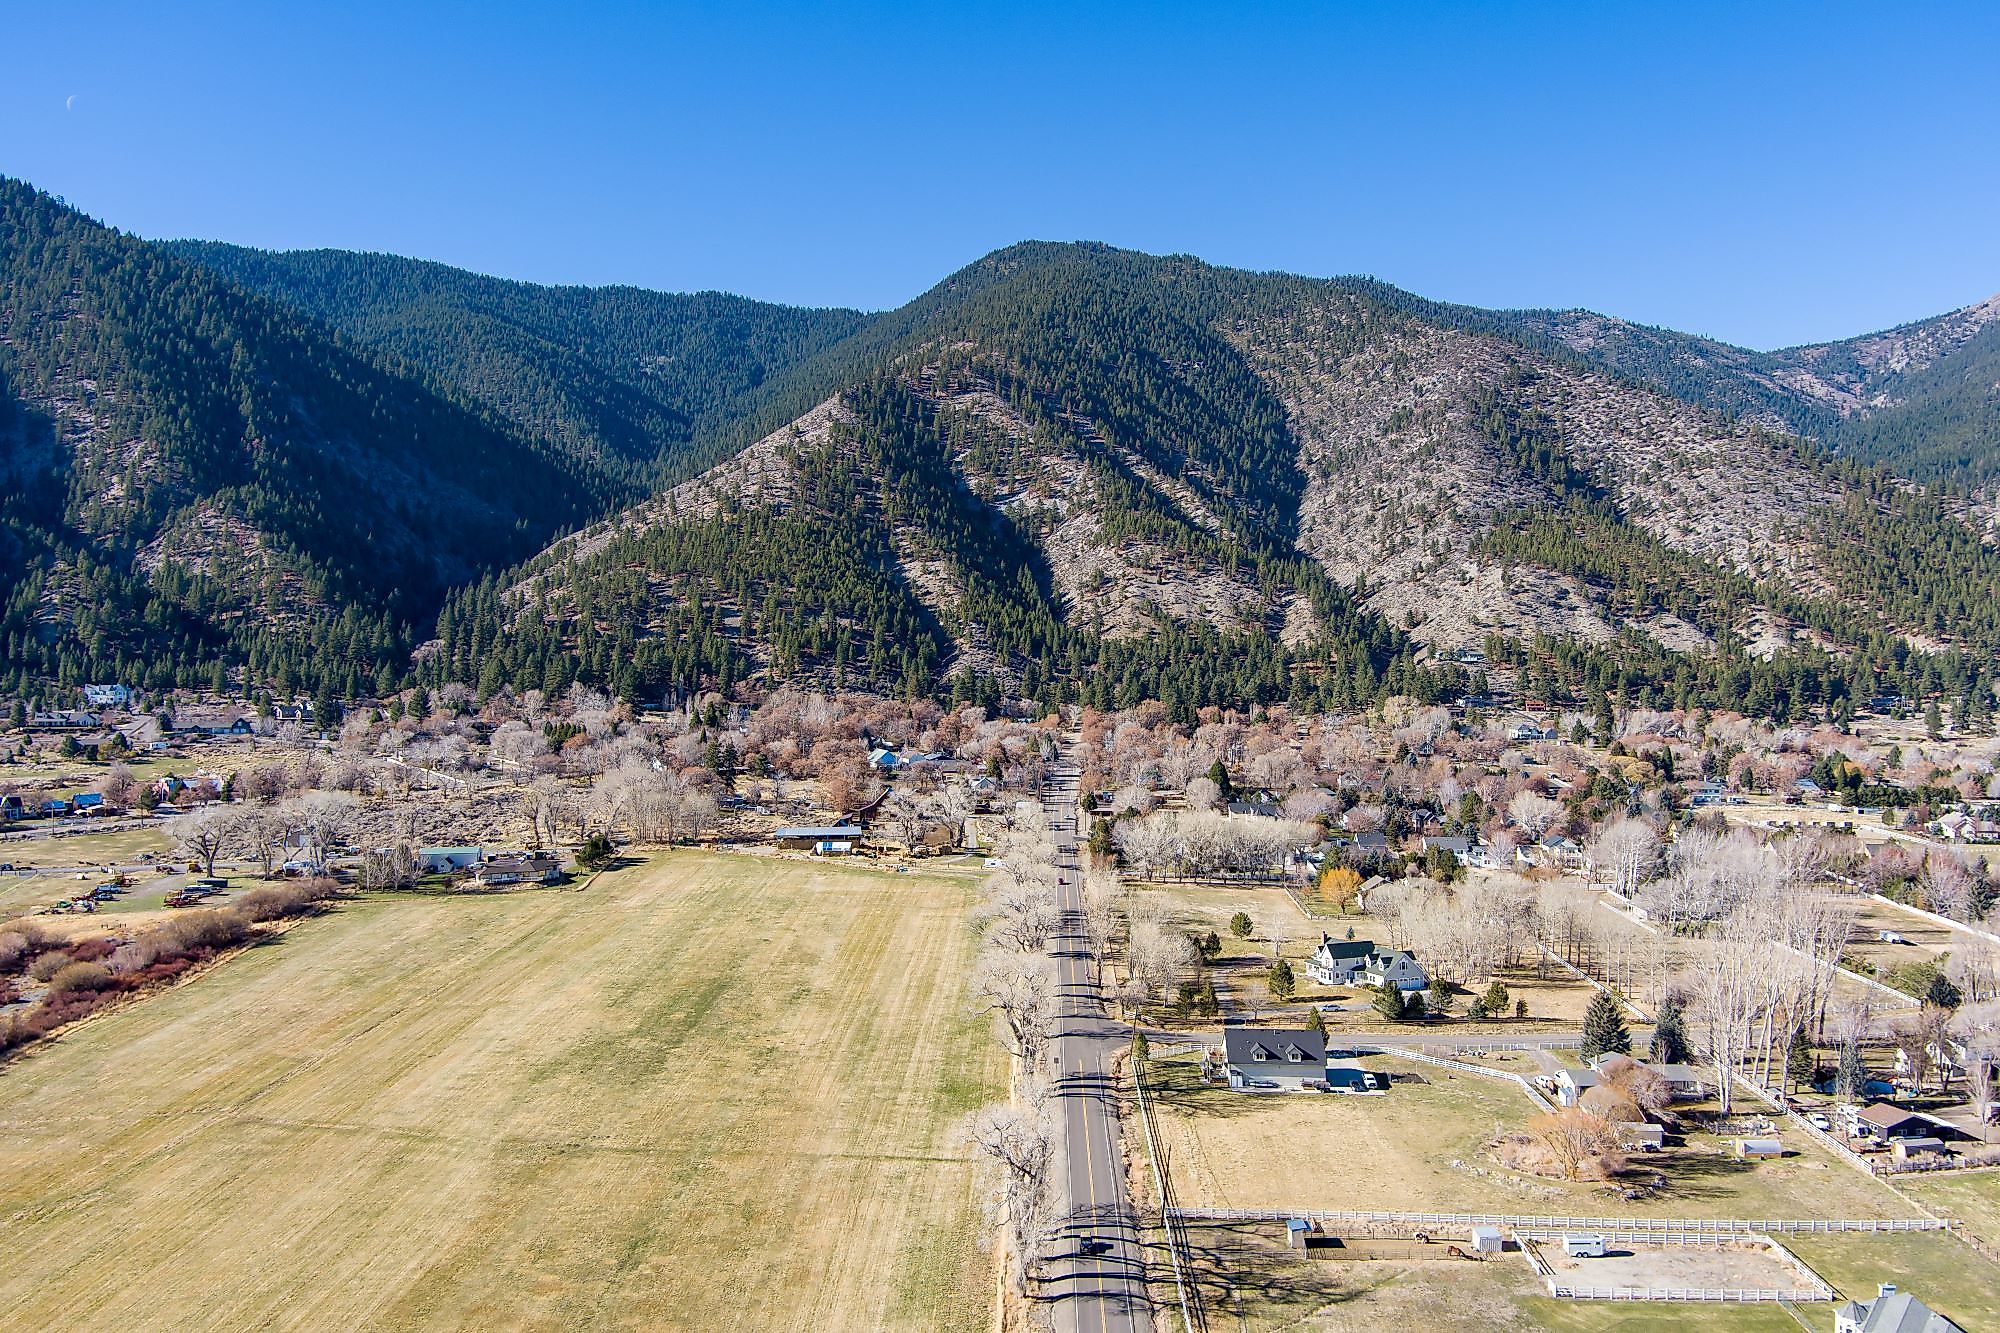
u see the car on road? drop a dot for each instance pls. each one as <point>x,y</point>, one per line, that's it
<point>1091,1248</point>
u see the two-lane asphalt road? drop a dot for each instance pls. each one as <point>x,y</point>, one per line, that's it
<point>1097,1263</point>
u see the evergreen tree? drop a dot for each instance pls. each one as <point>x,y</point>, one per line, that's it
<point>1239,925</point>
<point>1852,1077</point>
<point>1670,1045</point>
<point>1604,1028</point>
<point>1798,1058</point>
<point>1281,980</point>
<point>1389,1001</point>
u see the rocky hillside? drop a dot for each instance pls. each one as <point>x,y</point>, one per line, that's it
<point>1922,399</point>
<point>1084,453</point>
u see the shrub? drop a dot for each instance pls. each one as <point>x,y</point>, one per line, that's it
<point>1570,1144</point>
<point>193,932</point>
<point>285,900</point>
<point>14,950</point>
<point>47,965</point>
<point>80,977</point>
<point>21,940</point>
<point>93,950</point>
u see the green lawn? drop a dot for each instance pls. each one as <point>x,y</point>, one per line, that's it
<point>1945,1272</point>
<point>1973,1197</point>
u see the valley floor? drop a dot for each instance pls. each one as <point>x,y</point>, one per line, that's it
<point>702,1092</point>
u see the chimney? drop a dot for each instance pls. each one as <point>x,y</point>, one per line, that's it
<point>1325,938</point>
<point>1887,1289</point>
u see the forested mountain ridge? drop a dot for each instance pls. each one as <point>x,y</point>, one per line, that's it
<point>1068,456</point>
<point>1922,399</point>
<point>199,478</point>
<point>1065,472</point>
<point>627,379</point>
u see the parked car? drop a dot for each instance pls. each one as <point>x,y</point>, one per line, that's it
<point>1890,937</point>
<point>1820,1122</point>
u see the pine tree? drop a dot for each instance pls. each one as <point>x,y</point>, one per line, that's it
<point>1316,1021</point>
<point>1239,925</point>
<point>1799,1057</point>
<point>1670,1045</point>
<point>1281,980</point>
<point>1604,1028</point>
<point>1853,1075</point>
<point>1389,1001</point>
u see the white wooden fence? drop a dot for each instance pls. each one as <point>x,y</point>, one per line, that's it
<point>1725,1295</point>
<point>1425,1057</point>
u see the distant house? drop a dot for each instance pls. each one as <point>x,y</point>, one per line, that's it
<point>1525,732</point>
<point>65,719</point>
<point>1571,1084</point>
<point>1360,962</point>
<point>445,860</point>
<point>1261,809</point>
<point>1640,1135</point>
<point>1458,847</point>
<point>55,808</point>
<point>1554,851</point>
<point>1394,967</point>
<point>1482,856</point>
<point>213,722</point>
<point>1273,1058</point>
<point>500,870</point>
<point>815,835</point>
<point>12,807</point>
<point>1891,1311</point>
<point>828,839</point>
<point>1683,1081</point>
<point>1371,841</point>
<point>87,803</point>
<point>107,696</point>
<point>1338,962</point>
<point>1879,1122</point>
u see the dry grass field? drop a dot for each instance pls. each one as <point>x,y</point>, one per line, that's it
<point>703,1092</point>
<point>1425,1146</point>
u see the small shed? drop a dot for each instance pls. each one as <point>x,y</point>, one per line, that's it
<point>1918,1148</point>
<point>1759,1148</point>
<point>1646,1137</point>
<point>1487,1240</point>
<point>1296,1231</point>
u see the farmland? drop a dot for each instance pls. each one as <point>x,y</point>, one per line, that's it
<point>702,1092</point>
<point>1426,1143</point>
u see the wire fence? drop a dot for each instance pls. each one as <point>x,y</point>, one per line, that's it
<point>1193,1318</point>
<point>1530,1226</point>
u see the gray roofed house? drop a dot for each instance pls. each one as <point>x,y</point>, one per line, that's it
<point>810,838</point>
<point>1338,962</point>
<point>1280,1058</point>
<point>1891,1311</point>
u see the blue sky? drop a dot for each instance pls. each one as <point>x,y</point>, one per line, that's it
<point>1763,174</point>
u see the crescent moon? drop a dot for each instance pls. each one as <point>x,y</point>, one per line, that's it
<point>69,103</point>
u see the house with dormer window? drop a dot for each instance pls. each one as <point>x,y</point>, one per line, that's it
<point>1273,1059</point>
